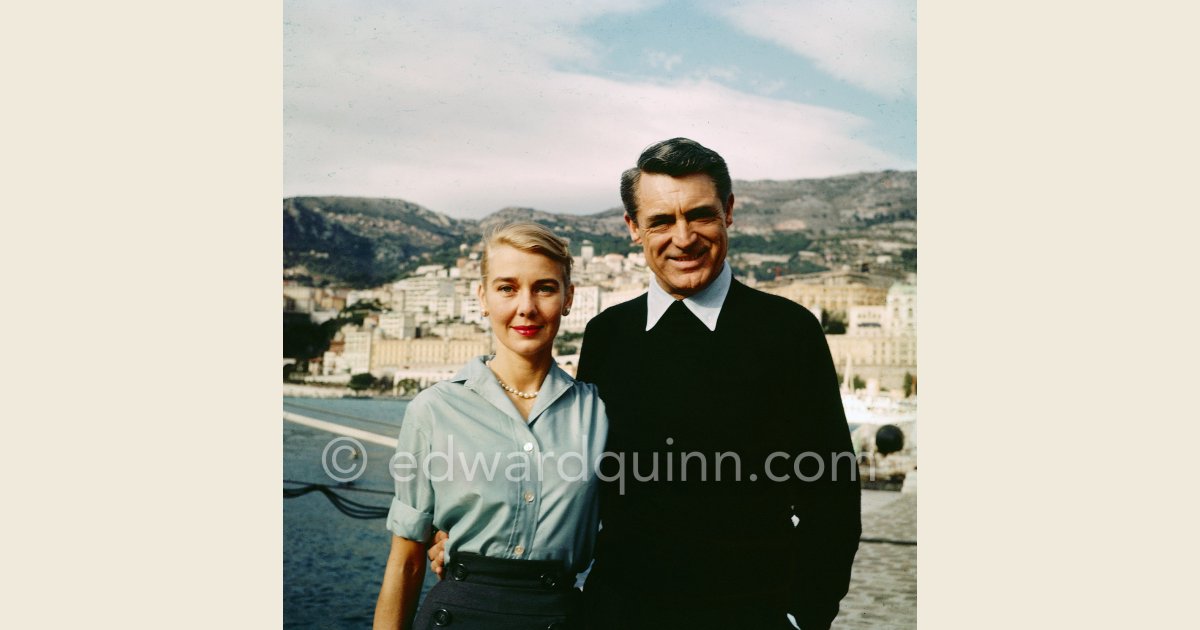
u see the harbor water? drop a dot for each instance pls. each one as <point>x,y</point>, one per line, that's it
<point>332,563</point>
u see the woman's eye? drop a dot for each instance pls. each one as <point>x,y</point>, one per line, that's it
<point>505,289</point>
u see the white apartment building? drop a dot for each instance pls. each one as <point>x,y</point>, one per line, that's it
<point>299,299</point>
<point>398,325</point>
<point>357,353</point>
<point>333,363</point>
<point>901,309</point>
<point>615,262</point>
<point>829,295</point>
<point>359,296</point>
<point>865,320</point>
<point>418,286</point>
<point>622,293</point>
<point>472,311</point>
<point>405,354</point>
<point>399,299</point>
<point>430,271</point>
<point>585,306</point>
<point>447,304</point>
<point>881,341</point>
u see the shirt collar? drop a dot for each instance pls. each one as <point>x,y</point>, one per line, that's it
<point>705,305</point>
<point>479,378</point>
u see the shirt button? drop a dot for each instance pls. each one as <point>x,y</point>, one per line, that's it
<point>518,550</point>
<point>528,446</point>
<point>529,496</point>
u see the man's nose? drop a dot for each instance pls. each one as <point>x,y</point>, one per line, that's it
<point>683,235</point>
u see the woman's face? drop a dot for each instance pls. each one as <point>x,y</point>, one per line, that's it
<point>525,297</point>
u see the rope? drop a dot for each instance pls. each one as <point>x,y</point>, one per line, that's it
<point>350,488</point>
<point>354,509</point>
<point>349,507</point>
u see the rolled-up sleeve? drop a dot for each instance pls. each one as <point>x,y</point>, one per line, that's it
<point>411,514</point>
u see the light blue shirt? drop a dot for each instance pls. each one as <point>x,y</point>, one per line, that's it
<point>468,464</point>
<point>705,304</point>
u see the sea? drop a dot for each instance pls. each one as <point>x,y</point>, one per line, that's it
<point>333,563</point>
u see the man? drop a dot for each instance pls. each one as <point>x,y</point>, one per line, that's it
<point>724,423</point>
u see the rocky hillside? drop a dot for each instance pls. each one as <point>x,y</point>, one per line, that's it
<point>832,203</point>
<point>364,241</point>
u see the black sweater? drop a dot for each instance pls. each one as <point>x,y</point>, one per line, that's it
<point>743,402</point>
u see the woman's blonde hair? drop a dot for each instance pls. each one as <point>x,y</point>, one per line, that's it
<point>528,237</point>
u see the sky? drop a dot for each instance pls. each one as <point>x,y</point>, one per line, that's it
<point>469,107</point>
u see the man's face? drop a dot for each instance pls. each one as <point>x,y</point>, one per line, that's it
<point>681,224</point>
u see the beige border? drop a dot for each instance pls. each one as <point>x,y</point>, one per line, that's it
<point>141,247</point>
<point>141,250</point>
<point>1057,224</point>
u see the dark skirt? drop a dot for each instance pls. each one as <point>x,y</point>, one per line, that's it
<point>496,594</point>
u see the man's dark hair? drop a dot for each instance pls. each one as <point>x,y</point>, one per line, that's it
<point>676,157</point>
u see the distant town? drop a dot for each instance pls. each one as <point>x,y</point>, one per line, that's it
<point>398,338</point>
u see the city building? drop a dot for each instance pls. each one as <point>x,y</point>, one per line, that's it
<point>585,306</point>
<point>391,355</point>
<point>880,344</point>
<point>357,353</point>
<point>587,251</point>
<point>398,325</point>
<point>833,291</point>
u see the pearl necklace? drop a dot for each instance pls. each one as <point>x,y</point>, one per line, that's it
<point>512,390</point>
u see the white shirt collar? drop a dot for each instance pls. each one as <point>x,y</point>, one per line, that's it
<point>705,305</point>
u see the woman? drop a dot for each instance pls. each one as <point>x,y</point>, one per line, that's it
<point>500,457</point>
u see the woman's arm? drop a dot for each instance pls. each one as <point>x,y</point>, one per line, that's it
<point>401,586</point>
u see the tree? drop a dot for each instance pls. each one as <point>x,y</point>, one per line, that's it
<point>303,339</point>
<point>859,383</point>
<point>833,322</point>
<point>910,384</point>
<point>359,382</point>
<point>407,387</point>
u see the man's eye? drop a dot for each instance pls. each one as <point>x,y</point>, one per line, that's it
<point>547,289</point>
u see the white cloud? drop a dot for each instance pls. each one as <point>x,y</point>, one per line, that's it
<point>468,111</point>
<point>727,73</point>
<point>869,43</point>
<point>659,59</point>
<point>768,88</point>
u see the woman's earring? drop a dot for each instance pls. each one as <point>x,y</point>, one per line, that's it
<point>486,314</point>
<point>566,311</point>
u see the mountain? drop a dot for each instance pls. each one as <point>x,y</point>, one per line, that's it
<point>606,230</point>
<point>832,203</point>
<point>368,241</point>
<point>363,241</point>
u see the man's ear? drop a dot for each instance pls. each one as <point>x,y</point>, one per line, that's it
<point>729,211</point>
<point>633,229</point>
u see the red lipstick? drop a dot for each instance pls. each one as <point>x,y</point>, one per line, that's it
<point>527,331</point>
